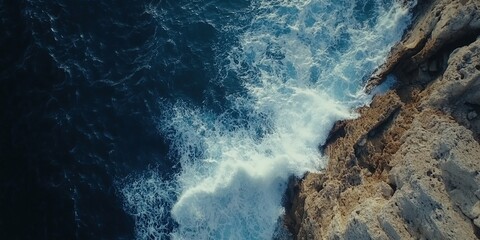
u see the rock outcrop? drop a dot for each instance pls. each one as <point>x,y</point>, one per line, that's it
<point>409,166</point>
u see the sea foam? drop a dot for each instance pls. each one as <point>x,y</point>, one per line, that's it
<point>303,64</point>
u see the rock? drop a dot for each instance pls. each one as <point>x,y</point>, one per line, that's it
<point>434,182</point>
<point>408,167</point>
<point>362,142</point>
<point>471,115</point>
<point>385,190</point>
<point>440,24</point>
<point>432,67</point>
<point>459,78</point>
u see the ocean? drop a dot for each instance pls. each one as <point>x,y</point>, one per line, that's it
<point>185,119</point>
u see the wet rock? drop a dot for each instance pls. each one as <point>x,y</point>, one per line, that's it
<point>471,115</point>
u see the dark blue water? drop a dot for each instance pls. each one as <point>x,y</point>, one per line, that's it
<point>80,85</point>
<point>113,113</point>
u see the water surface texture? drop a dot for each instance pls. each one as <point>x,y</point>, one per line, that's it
<point>175,119</point>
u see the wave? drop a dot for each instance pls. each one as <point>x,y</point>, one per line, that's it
<point>302,66</point>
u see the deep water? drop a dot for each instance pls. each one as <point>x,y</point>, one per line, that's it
<point>174,119</point>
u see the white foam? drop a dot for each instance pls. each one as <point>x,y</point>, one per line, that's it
<point>309,60</point>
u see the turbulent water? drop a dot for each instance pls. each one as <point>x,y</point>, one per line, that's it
<point>177,119</point>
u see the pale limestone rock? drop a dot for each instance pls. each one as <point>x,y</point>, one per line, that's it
<point>460,80</point>
<point>392,223</point>
<point>424,178</point>
<point>363,223</point>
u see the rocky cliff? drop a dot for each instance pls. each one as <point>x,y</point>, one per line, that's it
<point>409,166</point>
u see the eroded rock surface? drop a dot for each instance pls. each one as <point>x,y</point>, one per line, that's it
<point>441,26</point>
<point>409,166</point>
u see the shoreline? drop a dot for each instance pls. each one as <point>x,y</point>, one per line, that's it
<point>407,167</point>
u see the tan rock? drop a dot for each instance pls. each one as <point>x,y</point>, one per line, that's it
<point>428,196</point>
<point>409,166</point>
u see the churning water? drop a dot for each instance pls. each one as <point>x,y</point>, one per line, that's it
<point>291,69</point>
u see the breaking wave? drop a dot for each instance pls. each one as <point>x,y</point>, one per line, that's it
<point>301,66</point>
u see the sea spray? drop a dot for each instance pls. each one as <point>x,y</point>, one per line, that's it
<point>302,65</point>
